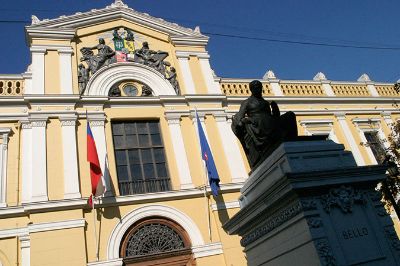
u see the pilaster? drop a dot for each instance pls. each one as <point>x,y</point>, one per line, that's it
<point>25,242</point>
<point>231,149</point>
<point>212,86</point>
<point>97,126</point>
<point>179,150</point>
<point>341,117</point>
<point>71,175</point>
<point>3,166</point>
<point>26,158</point>
<point>65,55</point>
<point>39,159</point>
<point>37,68</point>
<point>186,74</point>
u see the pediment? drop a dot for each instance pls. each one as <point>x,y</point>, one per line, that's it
<point>116,11</point>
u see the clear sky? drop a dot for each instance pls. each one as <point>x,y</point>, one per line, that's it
<point>365,23</point>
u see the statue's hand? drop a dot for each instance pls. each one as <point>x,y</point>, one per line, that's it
<point>246,120</point>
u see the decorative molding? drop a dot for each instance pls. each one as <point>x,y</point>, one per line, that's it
<point>308,204</point>
<point>314,222</point>
<point>325,252</point>
<point>52,226</point>
<point>96,123</point>
<point>319,77</point>
<point>72,204</point>
<point>101,82</point>
<point>272,223</point>
<point>70,123</point>
<point>114,262</point>
<point>343,197</point>
<point>39,123</point>
<point>207,250</point>
<point>148,211</point>
<point>41,227</point>
<point>225,205</point>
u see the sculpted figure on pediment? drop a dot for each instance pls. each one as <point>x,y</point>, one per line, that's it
<point>151,58</point>
<point>104,56</point>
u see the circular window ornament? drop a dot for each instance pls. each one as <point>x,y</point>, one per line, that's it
<point>130,90</point>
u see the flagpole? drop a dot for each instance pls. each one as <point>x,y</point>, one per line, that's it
<point>94,210</point>
<point>205,177</point>
<point>94,226</point>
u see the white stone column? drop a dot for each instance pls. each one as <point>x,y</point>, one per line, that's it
<point>349,138</point>
<point>371,88</point>
<point>37,68</point>
<point>26,160</point>
<point>65,55</point>
<point>179,150</point>
<point>97,127</point>
<point>25,242</point>
<point>326,86</point>
<point>231,149</point>
<point>186,74</point>
<point>212,86</point>
<point>71,175</point>
<point>39,160</point>
<point>3,166</point>
<point>388,119</point>
<point>275,87</point>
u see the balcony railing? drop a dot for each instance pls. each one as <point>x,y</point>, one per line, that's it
<point>144,186</point>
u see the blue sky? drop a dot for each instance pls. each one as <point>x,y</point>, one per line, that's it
<point>368,23</point>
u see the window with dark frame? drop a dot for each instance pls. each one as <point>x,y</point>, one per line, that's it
<point>375,144</point>
<point>140,157</point>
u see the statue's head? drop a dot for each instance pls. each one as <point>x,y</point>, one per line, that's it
<point>80,66</point>
<point>172,69</point>
<point>101,41</point>
<point>145,44</point>
<point>256,88</point>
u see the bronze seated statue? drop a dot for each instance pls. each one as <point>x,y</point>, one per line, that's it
<point>260,127</point>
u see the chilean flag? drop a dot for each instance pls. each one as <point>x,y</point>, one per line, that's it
<point>98,187</point>
<point>206,155</point>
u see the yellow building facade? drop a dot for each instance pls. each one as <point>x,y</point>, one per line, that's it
<point>155,209</point>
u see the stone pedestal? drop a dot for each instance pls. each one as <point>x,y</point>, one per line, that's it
<point>309,204</point>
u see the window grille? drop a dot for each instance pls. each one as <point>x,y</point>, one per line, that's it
<point>140,157</point>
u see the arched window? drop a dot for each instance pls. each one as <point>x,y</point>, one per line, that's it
<point>156,241</point>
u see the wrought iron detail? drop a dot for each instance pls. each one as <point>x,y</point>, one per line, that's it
<point>344,198</point>
<point>152,239</point>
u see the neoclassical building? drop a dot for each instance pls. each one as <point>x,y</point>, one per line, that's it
<point>138,80</point>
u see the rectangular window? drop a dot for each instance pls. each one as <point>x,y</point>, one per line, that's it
<point>140,158</point>
<point>375,144</point>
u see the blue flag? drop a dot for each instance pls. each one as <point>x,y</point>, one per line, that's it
<point>207,156</point>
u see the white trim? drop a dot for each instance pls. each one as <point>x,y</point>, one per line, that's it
<point>101,82</point>
<point>231,149</point>
<point>128,220</point>
<point>326,86</point>
<point>4,132</point>
<point>70,159</point>
<point>207,250</point>
<point>378,129</point>
<point>65,57</point>
<point>186,75</point>
<point>39,159</point>
<point>70,204</point>
<point>114,262</point>
<point>350,140</point>
<point>42,227</point>
<point>37,70</point>
<point>212,86</point>
<point>25,241</point>
<point>179,150</point>
<point>26,158</point>
<point>52,226</point>
<point>372,90</point>
<point>99,135</point>
<point>225,205</point>
<point>275,87</point>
